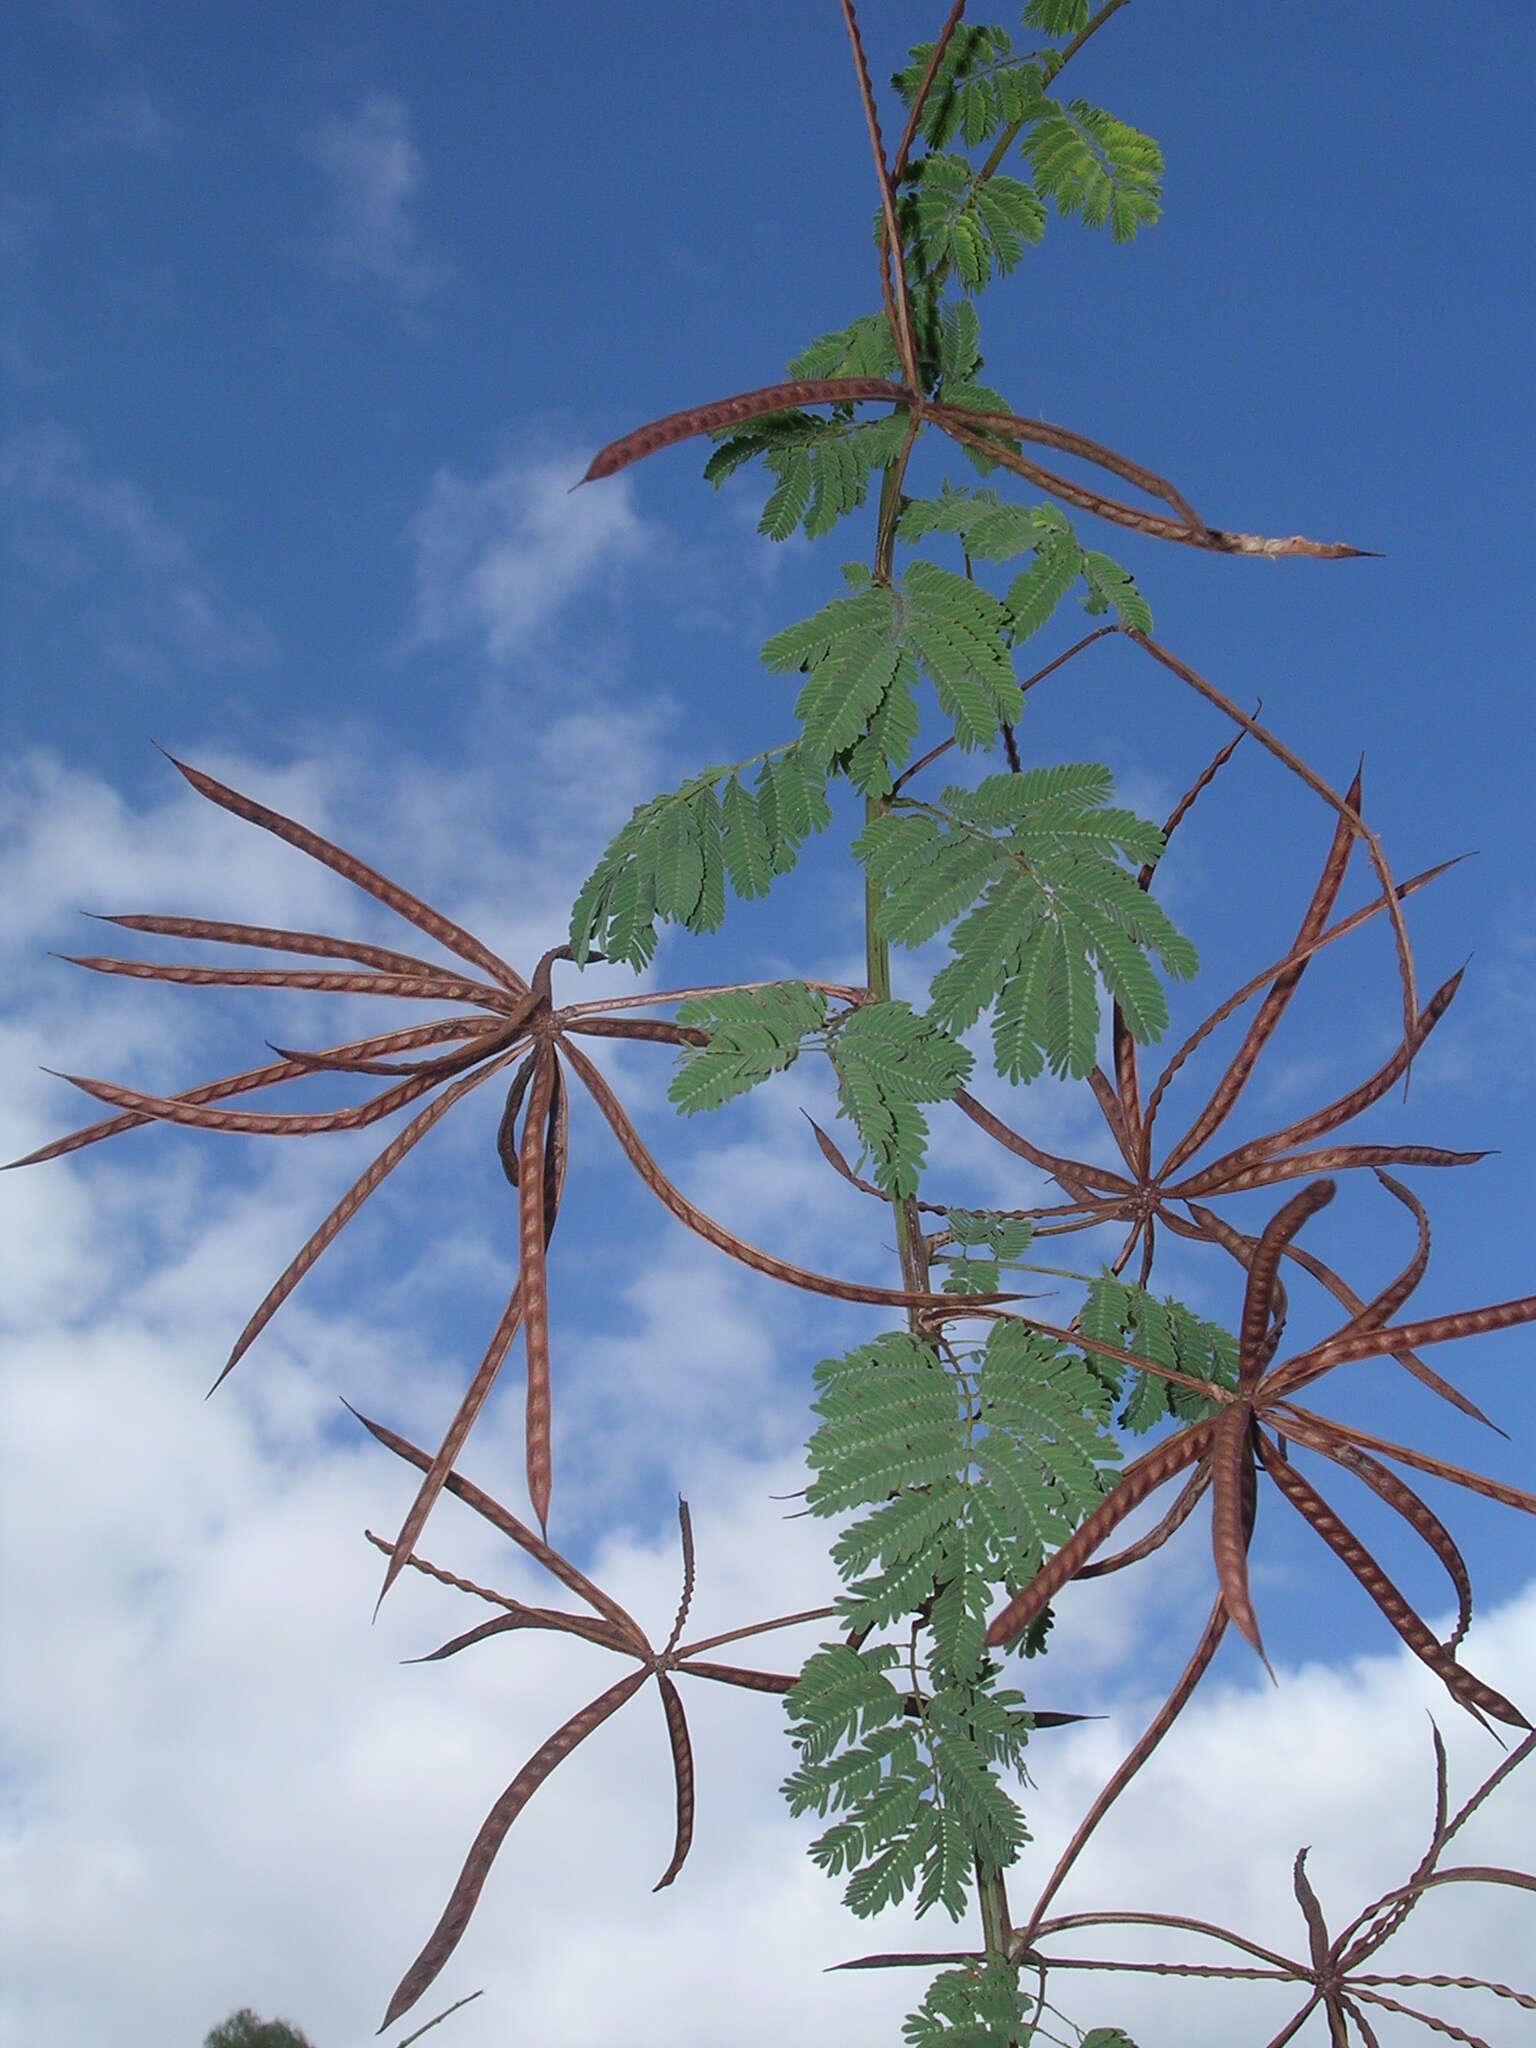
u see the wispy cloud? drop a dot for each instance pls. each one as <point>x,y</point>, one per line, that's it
<point>98,544</point>
<point>374,173</point>
<point>129,122</point>
<point>498,557</point>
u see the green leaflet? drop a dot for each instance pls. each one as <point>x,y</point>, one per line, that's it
<point>752,1033</point>
<point>992,530</point>
<point>888,1060</point>
<point>975,2007</point>
<point>1034,595</point>
<point>951,217</point>
<point>1031,867</point>
<point>852,656</point>
<point>821,467</point>
<point>1167,1333</point>
<point>862,655</point>
<point>1111,588</point>
<point>672,860</point>
<point>959,633</point>
<point>1057,17</point>
<point>1088,163</point>
<point>955,348</point>
<point>987,526</point>
<point>865,348</point>
<point>842,1694</point>
<point>959,344</point>
<point>981,86</point>
<point>1005,1239</point>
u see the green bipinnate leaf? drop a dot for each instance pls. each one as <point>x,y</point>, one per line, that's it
<point>888,1061</point>
<point>987,526</point>
<point>821,467</point>
<point>979,2006</point>
<point>1035,593</point>
<point>1111,588</point>
<point>952,219</point>
<point>852,655</point>
<point>959,634</point>
<point>1031,866</point>
<point>981,86</point>
<point>670,863</point>
<point>1167,1333</point>
<point>1089,163</point>
<point>985,1243</point>
<point>992,530</point>
<point>1057,17</point>
<point>752,1033</point>
<point>862,657</point>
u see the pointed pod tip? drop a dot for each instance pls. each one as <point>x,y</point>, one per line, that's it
<point>228,1367</point>
<point>392,1571</point>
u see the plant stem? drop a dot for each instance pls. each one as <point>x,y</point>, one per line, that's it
<point>994,1913</point>
<point>1089,29</point>
<point>912,1245</point>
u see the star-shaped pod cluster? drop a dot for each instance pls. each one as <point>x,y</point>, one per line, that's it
<point>509,1020</point>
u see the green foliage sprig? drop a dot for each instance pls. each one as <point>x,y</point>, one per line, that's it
<point>968,1466</point>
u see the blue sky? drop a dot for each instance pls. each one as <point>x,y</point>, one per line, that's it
<point>307,322</point>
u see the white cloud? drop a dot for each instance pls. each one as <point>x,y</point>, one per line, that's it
<point>98,545</point>
<point>374,175</point>
<point>222,1787</point>
<point>497,558</point>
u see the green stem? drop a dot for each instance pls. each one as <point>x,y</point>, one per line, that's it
<point>1090,28</point>
<point>994,1914</point>
<point>1011,134</point>
<point>911,1244</point>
